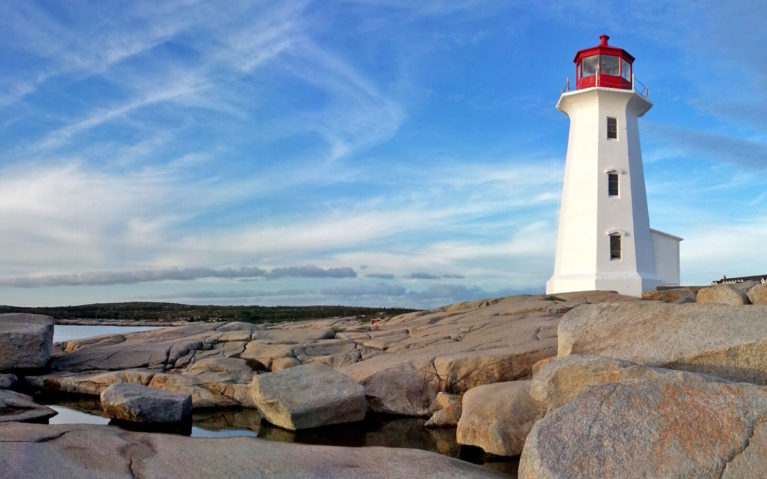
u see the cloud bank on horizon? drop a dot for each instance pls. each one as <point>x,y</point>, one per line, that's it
<point>356,152</point>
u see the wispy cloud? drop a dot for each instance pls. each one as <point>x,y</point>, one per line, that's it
<point>713,145</point>
<point>380,275</point>
<point>174,274</point>
<point>422,275</point>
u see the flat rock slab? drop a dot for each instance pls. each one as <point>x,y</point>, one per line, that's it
<point>20,407</point>
<point>87,451</point>
<point>498,417</point>
<point>308,396</point>
<point>721,340</point>
<point>134,403</point>
<point>678,424</point>
<point>25,341</point>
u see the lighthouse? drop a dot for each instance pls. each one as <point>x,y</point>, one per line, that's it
<point>604,241</point>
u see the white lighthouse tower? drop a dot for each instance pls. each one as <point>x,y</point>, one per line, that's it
<point>605,241</point>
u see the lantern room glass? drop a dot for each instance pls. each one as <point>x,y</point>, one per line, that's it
<point>609,65</point>
<point>589,66</point>
<point>625,70</point>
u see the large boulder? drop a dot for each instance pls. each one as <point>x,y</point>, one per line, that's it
<point>308,396</point>
<point>722,294</point>
<point>87,451</point>
<point>678,424</point>
<point>498,417</point>
<point>25,341</point>
<point>716,339</point>
<point>396,386</point>
<point>133,403</point>
<point>560,381</point>
<point>19,407</point>
<point>758,294</point>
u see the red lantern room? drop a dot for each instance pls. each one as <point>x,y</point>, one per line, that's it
<point>603,65</point>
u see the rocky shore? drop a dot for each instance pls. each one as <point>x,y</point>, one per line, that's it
<point>577,385</point>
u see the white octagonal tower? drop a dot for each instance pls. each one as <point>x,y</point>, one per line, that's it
<point>605,241</point>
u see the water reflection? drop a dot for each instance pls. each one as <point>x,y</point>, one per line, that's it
<point>376,430</point>
<point>76,410</point>
<point>226,423</point>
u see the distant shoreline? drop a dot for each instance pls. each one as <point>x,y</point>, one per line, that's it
<point>118,322</point>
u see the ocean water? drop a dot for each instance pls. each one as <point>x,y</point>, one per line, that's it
<point>66,332</point>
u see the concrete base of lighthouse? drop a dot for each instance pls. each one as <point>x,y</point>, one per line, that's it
<point>629,284</point>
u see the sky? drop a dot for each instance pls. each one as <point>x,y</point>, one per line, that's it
<point>360,152</point>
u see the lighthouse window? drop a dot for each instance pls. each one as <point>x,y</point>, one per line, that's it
<point>589,66</point>
<point>625,70</point>
<point>612,184</point>
<point>609,65</point>
<point>615,246</point>
<point>612,128</point>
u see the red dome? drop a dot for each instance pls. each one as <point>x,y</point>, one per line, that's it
<point>603,66</point>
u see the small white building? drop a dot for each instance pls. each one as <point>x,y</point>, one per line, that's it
<point>605,241</point>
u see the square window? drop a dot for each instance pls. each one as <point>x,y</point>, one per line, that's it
<point>615,246</point>
<point>612,128</point>
<point>612,184</point>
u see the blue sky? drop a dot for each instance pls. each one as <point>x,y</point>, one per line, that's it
<point>383,153</point>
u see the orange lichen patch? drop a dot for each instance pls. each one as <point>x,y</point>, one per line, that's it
<point>700,422</point>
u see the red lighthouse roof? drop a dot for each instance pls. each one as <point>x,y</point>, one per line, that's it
<point>603,65</point>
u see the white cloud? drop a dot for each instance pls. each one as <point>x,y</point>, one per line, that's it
<point>174,274</point>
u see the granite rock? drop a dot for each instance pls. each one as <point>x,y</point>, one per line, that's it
<point>678,424</point>
<point>449,412</point>
<point>133,403</point>
<point>758,294</point>
<point>308,396</point>
<point>722,294</point>
<point>25,341</point>
<point>560,381</point>
<point>19,407</point>
<point>715,339</point>
<point>673,295</point>
<point>498,417</point>
<point>87,451</point>
<point>8,381</point>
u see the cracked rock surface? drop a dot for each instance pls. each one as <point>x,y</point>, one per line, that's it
<point>104,452</point>
<point>677,424</point>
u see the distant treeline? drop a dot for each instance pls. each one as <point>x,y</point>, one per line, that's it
<point>146,311</point>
